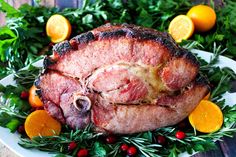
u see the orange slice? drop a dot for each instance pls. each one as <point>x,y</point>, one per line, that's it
<point>40,123</point>
<point>206,117</point>
<point>58,28</point>
<point>34,99</point>
<point>181,27</point>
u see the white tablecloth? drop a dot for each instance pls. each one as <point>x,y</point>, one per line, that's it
<point>5,152</point>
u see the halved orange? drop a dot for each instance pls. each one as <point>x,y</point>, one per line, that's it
<point>58,28</point>
<point>206,117</point>
<point>181,27</point>
<point>40,123</point>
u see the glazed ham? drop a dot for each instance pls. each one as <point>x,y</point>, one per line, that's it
<point>122,78</point>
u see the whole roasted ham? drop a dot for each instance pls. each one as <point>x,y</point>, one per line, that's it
<point>122,78</point>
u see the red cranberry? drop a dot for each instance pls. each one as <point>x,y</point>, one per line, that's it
<point>72,146</point>
<point>124,147</point>
<point>21,129</point>
<point>161,139</point>
<point>180,135</point>
<point>111,139</point>
<point>132,151</point>
<point>24,95</point>
<point>82,153</point>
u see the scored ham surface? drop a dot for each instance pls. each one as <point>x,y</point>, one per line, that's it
<point>122,78</point>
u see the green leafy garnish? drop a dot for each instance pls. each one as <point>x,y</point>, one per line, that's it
<point>24,39</point>
<point>13,110</point>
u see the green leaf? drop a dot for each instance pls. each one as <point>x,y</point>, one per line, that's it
<point>4,119</point>
<point>7,38</point>
<point>173,152</point>
<point>198,147</point>
<point>148,136</point>
<point>6,33</point>
<point>99,150</point>
<point>87,19</point>
<point>13,124</point>
<point>5,7</point>
<point>219,37</point>
<point>145,18</point>
<point>229,115</point>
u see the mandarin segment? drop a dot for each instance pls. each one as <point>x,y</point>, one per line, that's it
<point>40,123</point>
<point>181,28</point>
<point>206,117</point>
<point>34,99</point>
<point>58,28</point>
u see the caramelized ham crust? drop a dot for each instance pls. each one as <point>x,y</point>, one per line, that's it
<point>122,78</point>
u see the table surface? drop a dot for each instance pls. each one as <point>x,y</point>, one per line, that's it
<point>226,148</point>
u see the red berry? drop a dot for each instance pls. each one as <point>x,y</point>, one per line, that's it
<point>161,139</point>
<point>24,95</point>
<point>21,129</point>
<point>111,139</point>
<point>124,147</point>
<point>82,153</point>
<point>132,151</point>
<point>180,135</point>
<point>72,146</point>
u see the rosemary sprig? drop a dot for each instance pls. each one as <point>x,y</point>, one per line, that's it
<point>146,147</point>
<point>217,51</point>
<point>60,143</point>
<point>11,111</point>
<point>26,77</point>
<point>11,104</point>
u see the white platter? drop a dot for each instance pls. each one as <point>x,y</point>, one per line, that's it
<point>11,140</point>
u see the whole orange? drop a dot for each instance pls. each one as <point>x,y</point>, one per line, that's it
<point>203,17</point>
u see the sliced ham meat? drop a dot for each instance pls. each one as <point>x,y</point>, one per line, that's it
<point>122,78</point>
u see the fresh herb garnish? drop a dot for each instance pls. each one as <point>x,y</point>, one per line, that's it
<point>24,37</point>
<point>26,77</point>
<point>13,110</point>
